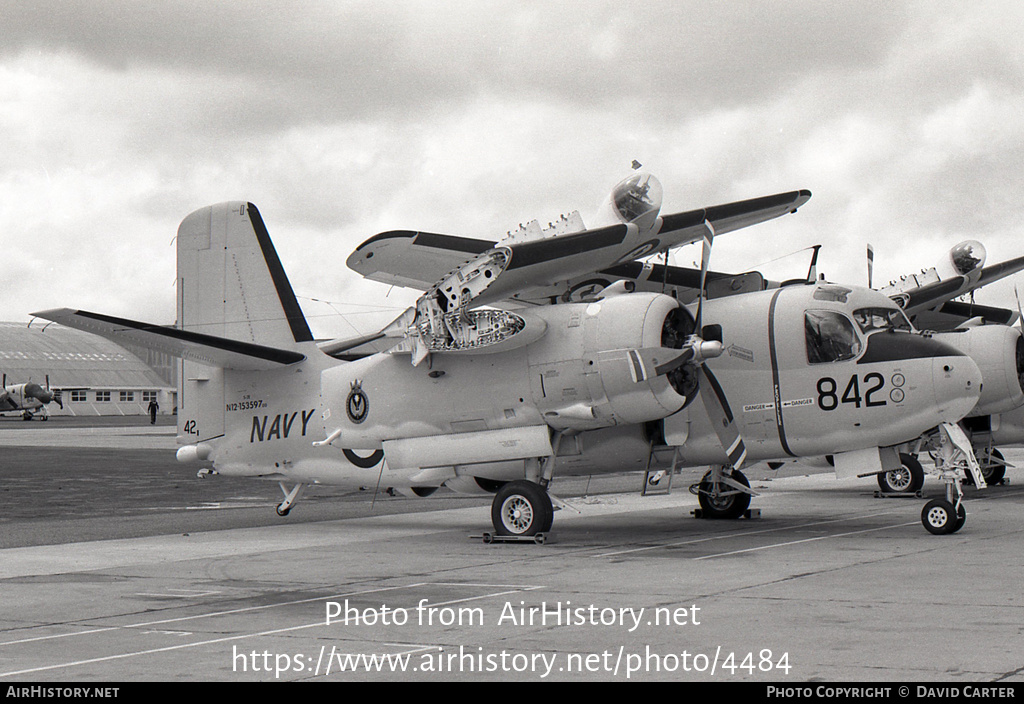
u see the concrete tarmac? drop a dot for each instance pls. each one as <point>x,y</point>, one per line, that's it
<point>143,572</point>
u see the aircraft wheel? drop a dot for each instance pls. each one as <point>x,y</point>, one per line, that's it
<point>521,508</point>
<point>731,506</point>
<point>992,471</point>
<point>908,479</point>
<point>940,518</point>
<point>283,511</point>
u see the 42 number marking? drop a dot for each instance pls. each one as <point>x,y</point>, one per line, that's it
<point>829,397</point>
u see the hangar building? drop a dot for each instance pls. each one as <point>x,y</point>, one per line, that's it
<point>95,376</point>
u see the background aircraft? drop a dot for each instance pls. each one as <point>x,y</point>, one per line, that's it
<point>28,398</point>
<point>987,334</point>
<point>499,400</point>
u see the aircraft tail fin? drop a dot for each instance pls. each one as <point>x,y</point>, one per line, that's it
<point>231,283</point>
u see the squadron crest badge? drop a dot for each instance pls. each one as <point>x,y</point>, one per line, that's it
<point>357,405</point>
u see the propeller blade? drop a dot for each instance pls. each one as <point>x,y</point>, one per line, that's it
<point>1020,315</point>
<point>722,420</point>
<point>705,257</point>
<point>649,362</point>
<point>871,264</point>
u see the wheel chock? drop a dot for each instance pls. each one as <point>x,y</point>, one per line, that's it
<point>749,513</point>
<point>539,539</point>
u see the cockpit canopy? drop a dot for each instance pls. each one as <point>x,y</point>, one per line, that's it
<point>967,256</point>
<point>832,337</point>
<point>637,196</point>
<point>871,319</point>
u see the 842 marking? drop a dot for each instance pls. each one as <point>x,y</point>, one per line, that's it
<point>873,395</point>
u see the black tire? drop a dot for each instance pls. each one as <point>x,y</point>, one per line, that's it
<point>731,506</point>
<point>908,479</point>
<point>521,508</point>
<point>940,518</point>
<point>961,518</point>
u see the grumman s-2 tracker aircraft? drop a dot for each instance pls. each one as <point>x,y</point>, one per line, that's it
<point>28,398</point>
<point>985,333</point>
<point>504,399</point>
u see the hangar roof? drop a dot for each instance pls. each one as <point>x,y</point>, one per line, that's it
<point>71,358</point>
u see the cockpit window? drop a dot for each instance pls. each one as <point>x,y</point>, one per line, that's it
<point>831,337</point>
<point>831,292</point>
<point>881,319</point>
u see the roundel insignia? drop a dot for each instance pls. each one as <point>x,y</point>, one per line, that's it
<point>364,462</point>
<point>640,251</point>
<point>357,405</point>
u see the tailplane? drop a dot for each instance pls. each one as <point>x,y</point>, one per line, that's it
<point>236,311</point>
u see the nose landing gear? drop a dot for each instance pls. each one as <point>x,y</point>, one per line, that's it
<point>953,458</point>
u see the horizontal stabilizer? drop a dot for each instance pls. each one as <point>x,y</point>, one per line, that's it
<point>197,347</point>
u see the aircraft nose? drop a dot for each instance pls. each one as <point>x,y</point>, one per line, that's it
<point>957,383</point>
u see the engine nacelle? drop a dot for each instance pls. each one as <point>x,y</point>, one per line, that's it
<point>998,351</point>
<point>599,377</point>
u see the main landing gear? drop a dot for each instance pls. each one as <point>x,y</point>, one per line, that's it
<point>522,508</point>
<point>993,466</point>
<point>723,494</point>
<point>908,479</point>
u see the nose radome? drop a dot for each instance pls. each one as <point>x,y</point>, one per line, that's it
<point>957,386</point>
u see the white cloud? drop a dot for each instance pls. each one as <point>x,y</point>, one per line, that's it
<point>341,120</point>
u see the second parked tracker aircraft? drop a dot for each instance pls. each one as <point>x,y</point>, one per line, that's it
<point>503,400</point>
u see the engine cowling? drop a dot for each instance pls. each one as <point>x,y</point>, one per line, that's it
<point>604,374</point>
<point>998,351</point>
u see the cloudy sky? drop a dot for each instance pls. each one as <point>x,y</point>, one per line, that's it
<point>343,119</point>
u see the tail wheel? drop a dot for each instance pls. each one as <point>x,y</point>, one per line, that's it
<point>908,479</point>
<point>521,508</point>
<point>722,501</point>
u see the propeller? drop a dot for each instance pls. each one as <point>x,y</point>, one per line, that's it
<point>716,404</point>
<point>695,351</point>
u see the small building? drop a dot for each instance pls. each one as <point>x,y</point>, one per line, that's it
<point>95,375</point>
